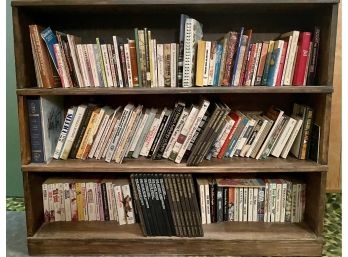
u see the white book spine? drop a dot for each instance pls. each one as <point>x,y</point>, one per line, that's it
<point>250,204</point>
<point>128,65</point>
<point>259,133</point>
<point>97,201</point>
<point>72,132</point>
<point>286,60</point>
<point>192,130</point>
<point>62,202</point>
<point>273,202</point>
<point>107,67</point>
<point>57,200</point>
<point>284,137</point>
<point>151,135</point>
<point>283,202</point>
<point>46,207</point>
<point>91,56</point>
<point>112,64</point>
<point>51,214</point>
<point>109,189</point>
<point>176,133</point>
<point>118,133</point>
<point>117,60</point>
<point>291,139</point>
<point>207,205</point>
<point>154,62</point>
<point>98,136</point>
<point>202,201</point>
<point>109,140</point>
<point>127,199</point>
<point>67,200</point>
<point>160,65</point>
<point>173,64</point>
<point>184,132</point>
<point>64,132</point>
<point>84,193</point>
<point>236,204</point>
<point>255,198</point>
<point>240,140</point>
<point>292,58</point>
<point>241,204</point>
<point>266,205</point>
<point>120,208</point>
<point>239,65</point>
<point>90,201</point>
<point>278,202</point>
<point>223,137</point>
<point>257,61</point>
<point>132,136</point>
<point>138,132</point>
<point>188,43</point>
<point>206,63</point>
<point>299,203</point>
<point>212,60</point>
<point>83,65</point>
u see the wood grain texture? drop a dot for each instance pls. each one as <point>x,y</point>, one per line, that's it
<point>232,238</point>
<point>235,164</point>
<point>173,91</point>
<point>24,135</point>
<point>334,176</point>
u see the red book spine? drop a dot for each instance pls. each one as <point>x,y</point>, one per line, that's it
<point>281,64</point>
<point>301,59</point>
<point>236,119</point>
<point>245,58</point>
<point>229,58</point>
<point>248,74</point>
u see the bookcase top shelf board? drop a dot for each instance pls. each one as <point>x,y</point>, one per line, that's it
<point>236,165</point>
<point>167,2</point>
<point>159,91</point>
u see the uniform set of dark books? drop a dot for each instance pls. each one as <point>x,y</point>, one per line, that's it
<point>191,132</point>
<point>252,200</point>
<point>235,60</point>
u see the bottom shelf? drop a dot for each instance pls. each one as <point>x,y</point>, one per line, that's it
<point>229,238</point>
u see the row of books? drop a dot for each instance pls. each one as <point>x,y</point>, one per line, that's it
<point>252,200</point>
<point>193,132</point>
<point>61,60</point>
<point>167,205</point>
<point>88,200</point>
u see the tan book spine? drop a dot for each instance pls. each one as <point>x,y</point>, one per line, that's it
<point>80,199</point>
<point>133,60</point>
<point>200,63</point>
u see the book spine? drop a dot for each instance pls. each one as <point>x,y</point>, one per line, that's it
<point>274,63</point>
<point>202,201</point>
<point>261,204</point>
<point>128,65</point>
<point>256,63</point>
<point>173,205</point>
<point>147,57</point>
<point>105,201</point>
<point>99,66</point>
<point>62,72</point>
<point>173,65</point>
<point>123,65</point>
<point>278,202</point>
<point>76,68</point>
<point>183,18</point>
<point>306,134</point>
<point>314,57</point>
<point>120,206</point>
<point>236,204</point>
<point>100,202</point>
<point>139,204</point>
<point>212,61</point>
<point>167,205</point>
<point>128,205</point>
<point>250,203</point>
<point>167,61</point>
<point>73,202</point>
<point>102,63</point>
<point>118,61</point>
<point>206,63</point>
<point>160,65</point>
<point>225,201</point>
<point>239,61</point>
<point>262,63</point>
<point>231,49</point>
<point>255,137</point>
<point>46,208</point>
<point>307,63</point>
<point>150,60</point>
<point>94,69</point>
<point>138,57</point>
<point>217,64</point>
<point>301,59</point>
<point>133,61</point>
<point>66,201</point>
<point>111,53</point>
<point>154,63</point>
<point>291,58</point>
<point>267,63</point>
<point>88,65</point>
<point>141,36</point>
<point>250,62</point>
<point>219,205</point>
<point>229,138</point>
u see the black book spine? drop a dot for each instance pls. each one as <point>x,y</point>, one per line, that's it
<point>195,201</point>
<point>219,205</point>
<point>158,135</point>
<point>105,202</point>
<point>173,205</point>
<point>195,222</point>
<point>314,58</point>
<point>138,204</point>
<point>157,204</point>
<point>147,58</point>
<point>81,131</point>
<point>182,223</point>
<point>164,205</point>
<point>184,206</point>
<point>168,207</point>
<point>149,213</point>
<point>187,198</point>
<point>153,204</point>
<point>35,128</point>
<point>123,65</point>
<point>225,203</point>
<point>212,191</point>
<point>174,118</point>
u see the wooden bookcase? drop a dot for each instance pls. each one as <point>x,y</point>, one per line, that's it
<point>92,18</point>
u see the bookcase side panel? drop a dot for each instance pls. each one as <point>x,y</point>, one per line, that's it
<point>24,134</point>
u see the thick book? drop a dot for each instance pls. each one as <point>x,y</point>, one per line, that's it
<point>183,18</point>
<point>301,59</point>
<point>314,57</point>
<point>291,56</point>
<point>274,63</point>
<point>200,63</point>
<point>230,52</point>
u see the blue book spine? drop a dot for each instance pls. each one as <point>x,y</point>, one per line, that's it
<point>272,76</point>
<point>218,64</point>
<point>235,63</point>
<point>50,39</point>
<point>235,137</point>
<point>35,128</point>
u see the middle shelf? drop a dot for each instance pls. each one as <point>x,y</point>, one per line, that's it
<point>236,165</point>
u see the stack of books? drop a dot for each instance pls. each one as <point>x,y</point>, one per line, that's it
<point>88,200</point>
<point>252,200</point>
<point>235,60</point>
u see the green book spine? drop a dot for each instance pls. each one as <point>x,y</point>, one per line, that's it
<point>138,56</point>
<point>102,66</point>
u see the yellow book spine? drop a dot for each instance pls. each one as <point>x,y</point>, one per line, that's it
<point>200,63</point>
<point>80,202</point>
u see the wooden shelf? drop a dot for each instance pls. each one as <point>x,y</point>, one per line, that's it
<point>159,91</point>
<point>242,238</point>
<point>236,165</point>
